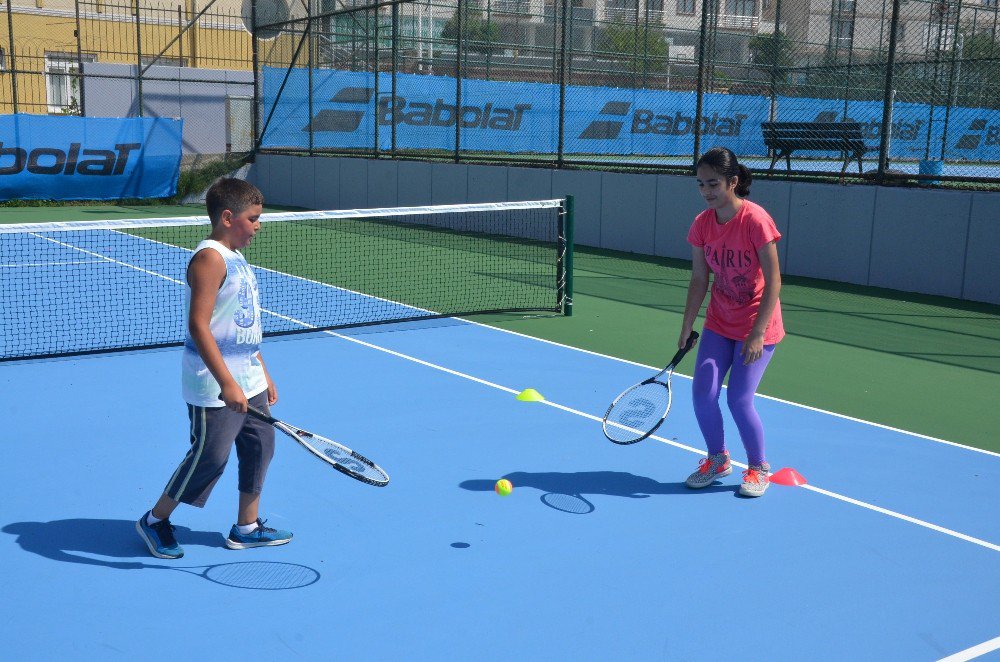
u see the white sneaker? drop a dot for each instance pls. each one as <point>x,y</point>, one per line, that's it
<point>755,480</point>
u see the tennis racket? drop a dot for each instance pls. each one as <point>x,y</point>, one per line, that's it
<point>641,409</point>
<point>340,457</point>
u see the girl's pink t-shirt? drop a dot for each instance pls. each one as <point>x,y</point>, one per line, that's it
<point>731,252</point>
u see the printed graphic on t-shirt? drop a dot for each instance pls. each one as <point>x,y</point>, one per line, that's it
<point>248,329</point>
<point>734,272</point>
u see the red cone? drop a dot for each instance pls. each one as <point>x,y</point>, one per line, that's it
<point>787,476</point>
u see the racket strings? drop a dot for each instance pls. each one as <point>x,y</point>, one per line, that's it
<point>637,413</point>
<point>347,459</point>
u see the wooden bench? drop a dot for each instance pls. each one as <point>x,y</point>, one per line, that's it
<point>784,138</point>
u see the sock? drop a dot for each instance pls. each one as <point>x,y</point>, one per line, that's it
<point>244,529</point>
<point>151,519</point>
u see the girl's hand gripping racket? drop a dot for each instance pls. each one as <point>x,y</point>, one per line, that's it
<point>640,410</point>
<point>340,457</point>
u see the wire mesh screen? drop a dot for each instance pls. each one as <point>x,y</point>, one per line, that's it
<point>883,90</point>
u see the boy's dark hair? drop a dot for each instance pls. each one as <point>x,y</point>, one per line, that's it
<point>724,162</point>
<point>232,194</point>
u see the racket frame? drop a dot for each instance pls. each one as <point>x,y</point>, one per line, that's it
<point>303,436</point>
<point>655,379</point>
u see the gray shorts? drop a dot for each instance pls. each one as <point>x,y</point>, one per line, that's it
<point>214,430</point>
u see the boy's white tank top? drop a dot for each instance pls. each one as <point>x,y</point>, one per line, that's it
<point>236,328</point>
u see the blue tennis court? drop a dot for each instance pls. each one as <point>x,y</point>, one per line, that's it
<point>889,553</point>
<point>436,565</point>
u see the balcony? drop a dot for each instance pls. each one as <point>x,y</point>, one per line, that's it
<point>738,22</point>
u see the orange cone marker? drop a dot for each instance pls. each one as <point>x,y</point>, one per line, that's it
<point>787,476</point>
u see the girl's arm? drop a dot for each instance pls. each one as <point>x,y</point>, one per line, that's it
<point>753,346</point>
<point>697,289</point>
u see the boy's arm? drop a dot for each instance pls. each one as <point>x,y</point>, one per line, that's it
<point>205,275</point>
<point>272,390</point>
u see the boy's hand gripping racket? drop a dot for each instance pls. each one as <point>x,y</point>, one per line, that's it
<point>340,457</point>
<point>641,409</point>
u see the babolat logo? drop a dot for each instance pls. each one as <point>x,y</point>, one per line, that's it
<point>979,133</point>
<point>607,129</point>
<point>648,121</point>
<point>344,121</point>
<point>400,110</point>
<point>55,161</point>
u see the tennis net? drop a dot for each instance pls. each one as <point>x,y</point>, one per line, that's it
<point>87,287</point>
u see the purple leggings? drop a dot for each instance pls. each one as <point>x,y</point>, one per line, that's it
<point>717,356</point>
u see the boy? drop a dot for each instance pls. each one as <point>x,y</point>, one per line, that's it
<point>222,371</point>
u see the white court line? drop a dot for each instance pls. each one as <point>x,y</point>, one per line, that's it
<point>974,652</point>
<point>690,449</point>
<point>17,265</point>
<point>834,495</point>
<point>576,349</point>
<point>759,395</point>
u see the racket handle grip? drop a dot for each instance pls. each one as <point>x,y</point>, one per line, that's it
<point>256,413</point>
<point>685,349</point>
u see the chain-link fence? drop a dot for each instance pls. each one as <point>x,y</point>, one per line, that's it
<point>115,58</point>
<point>873,90</point>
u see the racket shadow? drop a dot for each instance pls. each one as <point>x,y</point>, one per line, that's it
<point>567,492</point>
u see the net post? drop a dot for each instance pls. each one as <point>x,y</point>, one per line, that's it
<point>566,261</point>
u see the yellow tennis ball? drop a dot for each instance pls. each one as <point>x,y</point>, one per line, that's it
<point>504,487</point>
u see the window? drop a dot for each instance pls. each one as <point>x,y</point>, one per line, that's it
<point>62,82</point>
<point>622,10</point>
<point>163,61</point>
<point>741,7</point>
<point>845,6</point>
<point>3,60</point>
<point>655,5</point>
<point>842,30</point>
<point>685,6</point>
<point>940,37</point>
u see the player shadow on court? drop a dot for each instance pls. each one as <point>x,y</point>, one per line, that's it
<point>69,539</point>
<point>565,491</point>
<point>113,538</point>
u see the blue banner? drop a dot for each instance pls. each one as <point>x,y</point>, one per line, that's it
<point>88,158</point>
<point>507,117</point>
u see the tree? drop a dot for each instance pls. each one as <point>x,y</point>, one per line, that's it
<point>477,35</point>
<point>771,51</point>
<point>979,75</point>
<point>643,50</point>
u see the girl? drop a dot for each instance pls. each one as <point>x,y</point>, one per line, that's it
<point>736,240</point>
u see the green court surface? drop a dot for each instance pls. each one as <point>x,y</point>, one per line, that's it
<point>929,365</point>
<point>43,214</point>
<point>923,364</point>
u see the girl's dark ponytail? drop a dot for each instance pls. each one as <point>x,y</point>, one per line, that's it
<point>724,162</point>
<point>743,183</point>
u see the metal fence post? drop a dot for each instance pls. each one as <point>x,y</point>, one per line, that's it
<point>378,70</point>
<point>562,87</point>
<point>395,69</point>
<point>699,100</point>
<point>458,79</point>
<point>138,55</point>
<point>958,45</point>
<point>79,59</point>
<point>776,42</point>
<point>13,58</point>
<point>883,147</point>
<point>257,138</point>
